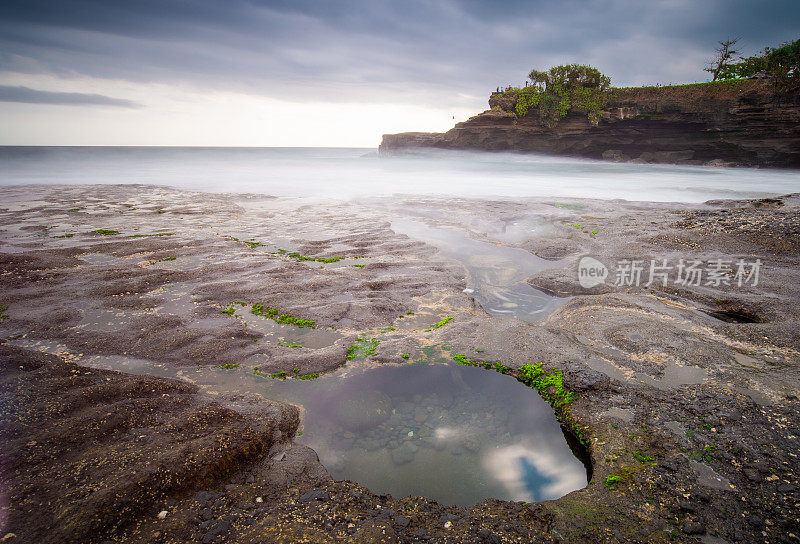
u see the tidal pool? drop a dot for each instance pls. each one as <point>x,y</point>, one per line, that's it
<point>440,430</point>
<point>437,429</point>
<point>497,273</point>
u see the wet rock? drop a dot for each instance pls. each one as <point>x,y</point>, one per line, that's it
<point>786,488</point>
<point>373,532</point>
<point>669,465</point>
<point>315,495</point>
<point>217,530</point>
<point>693,527</point>
<point>586,379</point>
<point>488,537</point>
<point>755,521</point>
<point>402,521</point>
<point>752,474</point>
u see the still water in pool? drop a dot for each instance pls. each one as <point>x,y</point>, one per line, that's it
<point>452,433</point>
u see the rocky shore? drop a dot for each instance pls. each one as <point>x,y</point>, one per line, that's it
<point>114,318</point>
<point>742,123</point>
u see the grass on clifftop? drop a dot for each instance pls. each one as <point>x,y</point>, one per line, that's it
<point>728,88</point>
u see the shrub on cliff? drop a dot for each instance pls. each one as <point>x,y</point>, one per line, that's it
<point>561,89</point>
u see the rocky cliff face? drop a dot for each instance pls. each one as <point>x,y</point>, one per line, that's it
<point>741,124</point>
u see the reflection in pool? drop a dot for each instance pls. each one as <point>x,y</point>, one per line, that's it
<point>455,434</point>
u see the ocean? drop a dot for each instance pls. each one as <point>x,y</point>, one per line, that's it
<point>345,173</point>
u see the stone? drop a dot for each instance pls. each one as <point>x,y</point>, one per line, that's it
<point>752,474</point>
<point>217,530</point>
<point>693,527</point>
<point>402,521</point>
<point>315,495</point>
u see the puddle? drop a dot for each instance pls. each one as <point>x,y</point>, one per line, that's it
<point>177,299</point>
<point>674,375</point>
<point>186,262</point>
<point>418,321</point>
<point>456,434</point>
<point>497,273</point>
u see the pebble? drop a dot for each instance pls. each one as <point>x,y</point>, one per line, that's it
<point>162,514</point>
<point>448,524</point>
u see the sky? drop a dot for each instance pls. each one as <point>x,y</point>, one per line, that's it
<point>330,73</point>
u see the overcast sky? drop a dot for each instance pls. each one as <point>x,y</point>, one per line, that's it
<point>331,73</point>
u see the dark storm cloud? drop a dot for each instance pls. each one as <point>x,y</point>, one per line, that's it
<point>32,96</point>
<point>414,50</point>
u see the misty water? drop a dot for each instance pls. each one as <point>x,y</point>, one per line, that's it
<point>351,172</point>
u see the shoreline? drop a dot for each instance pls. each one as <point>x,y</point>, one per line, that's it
<point>723,429</point>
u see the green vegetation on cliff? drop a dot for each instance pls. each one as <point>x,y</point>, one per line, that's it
<point>561,89</point>
<point>781,64</point>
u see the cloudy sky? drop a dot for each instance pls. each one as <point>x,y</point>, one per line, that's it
<point>329,73</point>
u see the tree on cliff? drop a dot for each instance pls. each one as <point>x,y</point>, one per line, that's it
<point>782,64</point>
<point>561,89</point>
<point>723,58</point>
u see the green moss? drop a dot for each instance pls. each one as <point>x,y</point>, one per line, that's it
<point>106,232</point>
<point>278,375</point>
<point>252,244</point>
<point>409,312</point>
<point>360,266</point>
<point>639,456</point>
<point>69,235</point>
<point>443,322</point>
<point>3,314</point>
<point>405,355</point>
<point>151,235</point>
<point>296,370</point>
<point>549,384</point>
<point>229,311</point>
<point>288,319</point>
<point>312,376</point>
<point>229,366</point>
<point>364,347</point>
<point>612,481</point>
<point>298,257</point>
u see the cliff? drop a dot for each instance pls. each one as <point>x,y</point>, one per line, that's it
<point>741,123</point>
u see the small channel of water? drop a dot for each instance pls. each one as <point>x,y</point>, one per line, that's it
<point>497,273</point>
